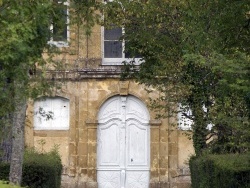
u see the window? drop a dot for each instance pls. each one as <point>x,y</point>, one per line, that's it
<point>184,123</point>
<point>51,113</point>
<point>113,47</point>
<point>59,27</point>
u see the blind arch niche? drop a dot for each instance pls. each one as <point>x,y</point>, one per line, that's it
<point>51,113</point>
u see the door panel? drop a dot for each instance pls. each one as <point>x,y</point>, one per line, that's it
<point>108,179</point>
<point>123,144</point>
<point>108,145</point>
<point>136,142</point>
<point>137,179</point>
<point>109,142</point>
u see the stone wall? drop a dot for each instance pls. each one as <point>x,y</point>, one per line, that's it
<point>87,84</point>
<point>169,149</point>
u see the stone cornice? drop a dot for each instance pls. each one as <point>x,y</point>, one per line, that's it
<point>79,74</point>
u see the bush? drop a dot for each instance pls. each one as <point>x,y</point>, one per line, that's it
<point>220,171</point>
<point>40,170</point>
<point>4,171</point>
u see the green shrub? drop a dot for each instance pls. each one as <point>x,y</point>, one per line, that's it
<point>4,171</point>
<point>220,171</point>
<point>40,170</point>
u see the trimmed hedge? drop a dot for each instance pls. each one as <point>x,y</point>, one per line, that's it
<point>4,171</point>
<point>220,171</point>
<point>39,170</point>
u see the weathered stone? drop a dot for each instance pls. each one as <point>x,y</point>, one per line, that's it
<point>92,173</point>
<point>83,135</point>
<point>163,162</point>
<point>154,174</point>
<point>173,136</point>
<point>163,135</point>
<point>164,149</point>
<point>84,171</point>
<point>159,185</point>
<point>92,135</point>
<point>173,161</point>
<point>92,161</point>
<point>173,149</point>
<point>82,148</point>
<point>183,185</point>
<point>87,86</point>
<point>124,85</point>
<point>72,148</point>
<point>91,185</point>
<point>83,161</point>
<point>163,172</point>
<point>91,148</point>
<point>174,173</point>
<point>154,149</point>
<point>154,162</point>
<point>154,135</point>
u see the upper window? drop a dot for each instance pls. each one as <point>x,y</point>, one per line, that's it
<point>113,47</point>
<point>59,27</point>
<point>51,113</point>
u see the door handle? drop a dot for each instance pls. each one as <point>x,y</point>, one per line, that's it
<point>131,160</point>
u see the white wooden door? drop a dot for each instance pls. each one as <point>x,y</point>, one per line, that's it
<point>123,136</point>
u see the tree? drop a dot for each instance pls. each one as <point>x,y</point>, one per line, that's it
<point>25,54</point>
<point>23,39</point>
<point>197,54</point>
<point>216,46</point>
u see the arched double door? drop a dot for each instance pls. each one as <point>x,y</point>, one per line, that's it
<point>123,140</point>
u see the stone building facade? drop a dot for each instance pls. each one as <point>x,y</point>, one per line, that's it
<point>103,126</point>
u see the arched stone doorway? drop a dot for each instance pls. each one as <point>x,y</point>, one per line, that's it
<point>123,144</point>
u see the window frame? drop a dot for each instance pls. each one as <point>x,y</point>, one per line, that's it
<point>61,43</point>
<point>116,61</point>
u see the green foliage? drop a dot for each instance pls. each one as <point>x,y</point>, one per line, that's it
<point>195,53</point>
<point>22,42</point>
<point>221,26</point>
<point>24,39</point>
<point>85,14</point>
<point>219,171</point>
<point>42,170</point>
<point>26,55</point>
<point>4,172</point>
<point>39,169</point>
<point>214,84</point>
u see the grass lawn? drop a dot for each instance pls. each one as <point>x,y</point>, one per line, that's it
<point>3,184</point>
